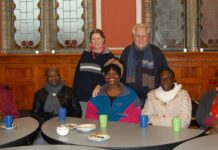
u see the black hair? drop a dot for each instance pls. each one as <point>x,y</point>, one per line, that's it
<point>52,68</point>
<point>170,71</point>
<point>112,66</point>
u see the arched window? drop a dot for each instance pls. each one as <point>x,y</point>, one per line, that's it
<point>70,23</point>
<point>179,24</point>
<point>46,25</point>
<point>169,27</point>
<point>26,23</point>
<point>208,24</point>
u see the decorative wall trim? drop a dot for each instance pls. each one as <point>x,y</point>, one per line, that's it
<point>116,48</point>
<point>98,14</point>
<point>138,11</point>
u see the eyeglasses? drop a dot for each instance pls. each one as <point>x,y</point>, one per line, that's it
<point>166,78</point>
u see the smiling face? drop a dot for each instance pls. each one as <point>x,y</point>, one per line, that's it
<point>140,37</point>
<point>53,76</point>
<point>97,40</point>
<point>112,74</point>
<point>167,80</point>
<point>112,77</point>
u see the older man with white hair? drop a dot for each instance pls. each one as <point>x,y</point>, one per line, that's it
<point>143,62</point>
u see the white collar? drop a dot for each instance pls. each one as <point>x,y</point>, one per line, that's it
<point>166,96</point>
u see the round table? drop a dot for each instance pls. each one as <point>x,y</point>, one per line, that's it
<point>52,147</point>
<point>123,135</point>
<point>26,130</point>
<point>208,142</point>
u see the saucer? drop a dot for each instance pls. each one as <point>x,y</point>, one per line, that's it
<point>14,125</point>
<point>86,127</point>
<point>98,137</point>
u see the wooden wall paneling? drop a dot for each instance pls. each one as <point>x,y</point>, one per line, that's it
<point>2,74</point>
<point>19,74</point>
<point>194,90</point>
<point>26,73</point>
<point>210,71</point>
<point>24,96</point>
<point>70,75</point>
<point>190,76</point>
<point>65,74</point>
<point>212,67</point>
<point>20,79</point>
<point>36,83</point>
<point>41,75</point>
<point>73,68</point>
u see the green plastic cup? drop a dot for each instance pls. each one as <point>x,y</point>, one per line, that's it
<point>103,121</point>
<point>176,124</point>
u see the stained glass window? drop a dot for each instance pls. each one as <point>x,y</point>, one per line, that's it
<point>70,23</point>
<point>26,23</point>
<point>169,28</point>
<point>208,24</point>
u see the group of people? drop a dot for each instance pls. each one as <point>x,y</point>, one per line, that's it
<point>140,82</point>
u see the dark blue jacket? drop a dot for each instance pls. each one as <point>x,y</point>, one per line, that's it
<point>160,63</point>
<point>88,74</point>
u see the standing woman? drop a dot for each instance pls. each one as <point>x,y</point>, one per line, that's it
<point>88,71</point>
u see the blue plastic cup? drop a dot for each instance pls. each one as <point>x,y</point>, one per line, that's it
<point>8,121</point>
<point>61,114</point>
<point>143,121</point>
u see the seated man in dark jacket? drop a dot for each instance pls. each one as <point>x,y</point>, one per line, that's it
<point>53,96</point>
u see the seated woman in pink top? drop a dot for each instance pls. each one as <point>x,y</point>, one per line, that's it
<point>7,103</point>
<point>114,99</point>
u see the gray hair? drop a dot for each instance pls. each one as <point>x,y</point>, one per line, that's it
<point>140,25</point>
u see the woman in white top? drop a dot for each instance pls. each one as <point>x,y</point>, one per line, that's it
<point>168,101</point>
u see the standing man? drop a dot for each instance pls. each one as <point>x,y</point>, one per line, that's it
<point>142,62</point>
